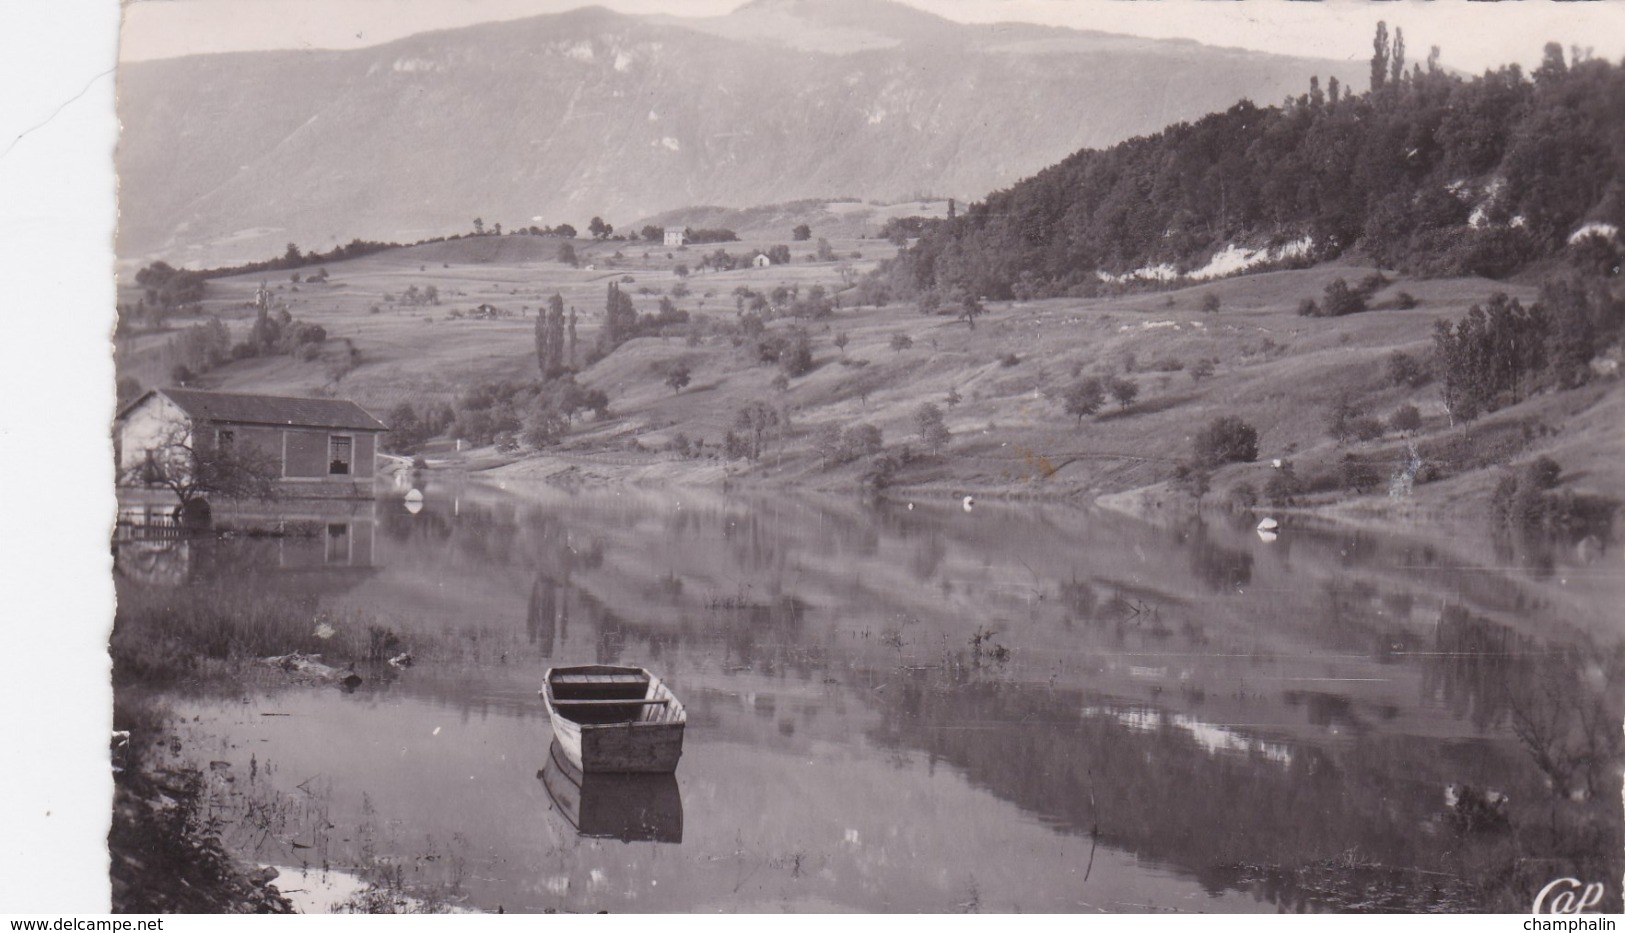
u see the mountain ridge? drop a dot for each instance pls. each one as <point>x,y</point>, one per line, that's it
<point>562,117</point>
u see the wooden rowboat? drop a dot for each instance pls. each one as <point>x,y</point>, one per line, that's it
<point>609,719</point>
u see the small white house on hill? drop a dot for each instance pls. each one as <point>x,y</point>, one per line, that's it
<point>761,261</point>
<point>322,448</point>
<point>676,237</point>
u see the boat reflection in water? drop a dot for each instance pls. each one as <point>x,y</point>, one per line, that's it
<point>628,807</point>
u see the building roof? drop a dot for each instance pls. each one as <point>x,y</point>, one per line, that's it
<point>223,407</point>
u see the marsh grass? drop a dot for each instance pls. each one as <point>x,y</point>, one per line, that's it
<point>196,634</point>
<point>164,846</point>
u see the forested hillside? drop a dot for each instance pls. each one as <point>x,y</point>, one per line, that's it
<point>1426,171</point>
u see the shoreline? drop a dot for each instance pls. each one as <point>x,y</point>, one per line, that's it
<point>1154,503</point>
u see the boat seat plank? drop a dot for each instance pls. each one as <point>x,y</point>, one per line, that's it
<point>599,679</point>
<point>656,702</point>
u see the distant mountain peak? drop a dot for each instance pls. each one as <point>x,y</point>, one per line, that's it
<point>844,12</point>
<point>828,26</point>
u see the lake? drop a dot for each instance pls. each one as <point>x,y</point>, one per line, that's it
<point>915,707</point>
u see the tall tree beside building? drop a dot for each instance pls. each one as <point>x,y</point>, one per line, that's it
<point>196,466</point>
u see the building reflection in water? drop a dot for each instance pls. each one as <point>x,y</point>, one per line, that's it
<point>327,538</point>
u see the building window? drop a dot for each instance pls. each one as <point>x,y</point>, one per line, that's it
<point>338,456</point>
<point>224,439</point>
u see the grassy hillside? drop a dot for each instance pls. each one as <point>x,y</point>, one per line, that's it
<point>1010,433</point>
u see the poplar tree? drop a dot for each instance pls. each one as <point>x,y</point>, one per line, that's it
<point>1396,73</point>
<point>1379,57</point>
<point>553,362</point>
<point>572,336</point>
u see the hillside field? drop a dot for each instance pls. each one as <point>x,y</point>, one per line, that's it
<point>1010,433</point>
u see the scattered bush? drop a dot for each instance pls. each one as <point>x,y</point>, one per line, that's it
<point>1193,478</point>
<point>1283,487</point>
<point>1227,439</point>
<point>1370,285</point>
<point>1359,477</point>
<point>881,471</point>
<point>1339,299</point>
<point>861,440</point>
<point>1346,418</point>
<point>1084,398</point>
<point>1525,500</point>
<point>1406,419</point>
<point>1543,473</point>
<point>797,359</point>
<point>1365,428</point>
<point>1406,371</point>
<point>678,376</point>
<point>1242,497</point>
<point>1124,390</point>
<point>932,429</point>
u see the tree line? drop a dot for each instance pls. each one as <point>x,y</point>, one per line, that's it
<point>1500,352</point>
<point>1427,171</point>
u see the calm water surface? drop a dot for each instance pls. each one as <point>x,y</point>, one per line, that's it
<point>923,709</point>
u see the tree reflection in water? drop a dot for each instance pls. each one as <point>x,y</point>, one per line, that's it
<point>1186,695</point>
<point>1359,826</point>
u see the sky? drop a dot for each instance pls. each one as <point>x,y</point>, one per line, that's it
<point>1472,36</point>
